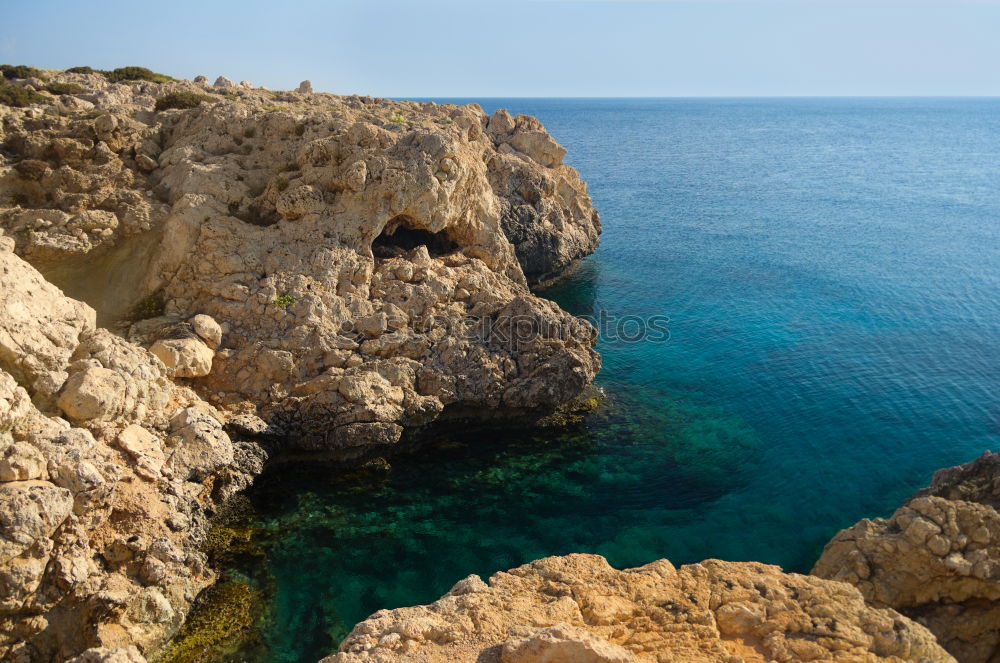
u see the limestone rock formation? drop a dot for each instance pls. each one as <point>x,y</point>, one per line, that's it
<point>579,609</point>
<point>366,261</point>
<point>107,473</point>
<point>550,225</point>
<point>334,269</point>
<point>937,559</point>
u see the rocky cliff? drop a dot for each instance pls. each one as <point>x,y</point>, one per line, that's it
<point>577,609</point>
<point>935,559</point>
<point>191,269</point>
<point>367,260</point>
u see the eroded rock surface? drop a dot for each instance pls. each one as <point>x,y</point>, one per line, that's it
<point>366,261</point>
<point>937,559</point>
<point>107,472</point>
<point>579,609</point>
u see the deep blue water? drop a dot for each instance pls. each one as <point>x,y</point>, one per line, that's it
<point>830,270</point>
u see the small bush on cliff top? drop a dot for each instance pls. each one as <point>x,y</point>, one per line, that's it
<point>82,70</point>
<point>64,88</point>
<point>135,74</point>
<point>20,71</point>
<point>19,97</point>
<point>181,100</point>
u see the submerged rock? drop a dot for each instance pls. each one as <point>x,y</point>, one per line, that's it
<point>579,609</point>
<point>936,559</point>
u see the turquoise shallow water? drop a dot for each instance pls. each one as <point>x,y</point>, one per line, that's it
<point>830,269</point>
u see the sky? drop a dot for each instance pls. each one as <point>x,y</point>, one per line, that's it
<point>530,48</point>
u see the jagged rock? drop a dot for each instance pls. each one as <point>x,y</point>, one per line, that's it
<point>29,303</point>
<point>29,511</point>
<point>543,212</point>
<point>937,559</point>
<point>305,87</point>
<point>224,83</point>
<point>577,608</point>
<point>201,79</point>
<point>199,444</point>
<point>100,523</point>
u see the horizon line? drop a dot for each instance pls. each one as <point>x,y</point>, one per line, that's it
<point>706,96</point>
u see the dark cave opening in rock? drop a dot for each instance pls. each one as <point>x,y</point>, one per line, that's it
<point>399,236</point>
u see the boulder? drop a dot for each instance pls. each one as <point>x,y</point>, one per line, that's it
<point>92,393</point>
<point>208,330</point>
<point>184,357</point>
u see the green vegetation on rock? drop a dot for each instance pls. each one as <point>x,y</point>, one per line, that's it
<point>285,302</point>
<point>181,100</point>
<point>223,619</point>
<point>133,73</point>
<point>20,71</point>
<point>19,97</point>
<point>64,88</point>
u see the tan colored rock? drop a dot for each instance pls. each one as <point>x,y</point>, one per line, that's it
<point>29,303</point>
<point>22,462</point>
<point>92,393</point>
<point>563,643</point>
<point>208,330</point>
<point>29,511</point>
<point>144,448</point>
<point>197,446</point>
<point>937,559</point>
<point>578,609</point>
<point>105,655</point>
<point>184,357</point>
<point>99,530</point>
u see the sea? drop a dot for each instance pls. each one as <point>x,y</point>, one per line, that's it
<point>824,276</point>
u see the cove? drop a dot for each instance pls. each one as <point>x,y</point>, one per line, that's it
<point>829,268</point>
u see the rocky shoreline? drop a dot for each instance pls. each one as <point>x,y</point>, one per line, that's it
<point>258,271</point>
<point>199,276</point>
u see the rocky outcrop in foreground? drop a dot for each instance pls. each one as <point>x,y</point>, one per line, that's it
<point>107,472</point>
<point>578,609</point>
<point>937,559</point>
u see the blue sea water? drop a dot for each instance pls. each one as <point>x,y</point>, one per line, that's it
<point>830,269</point>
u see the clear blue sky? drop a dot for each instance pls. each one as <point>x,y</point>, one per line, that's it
<point>497,48</point>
